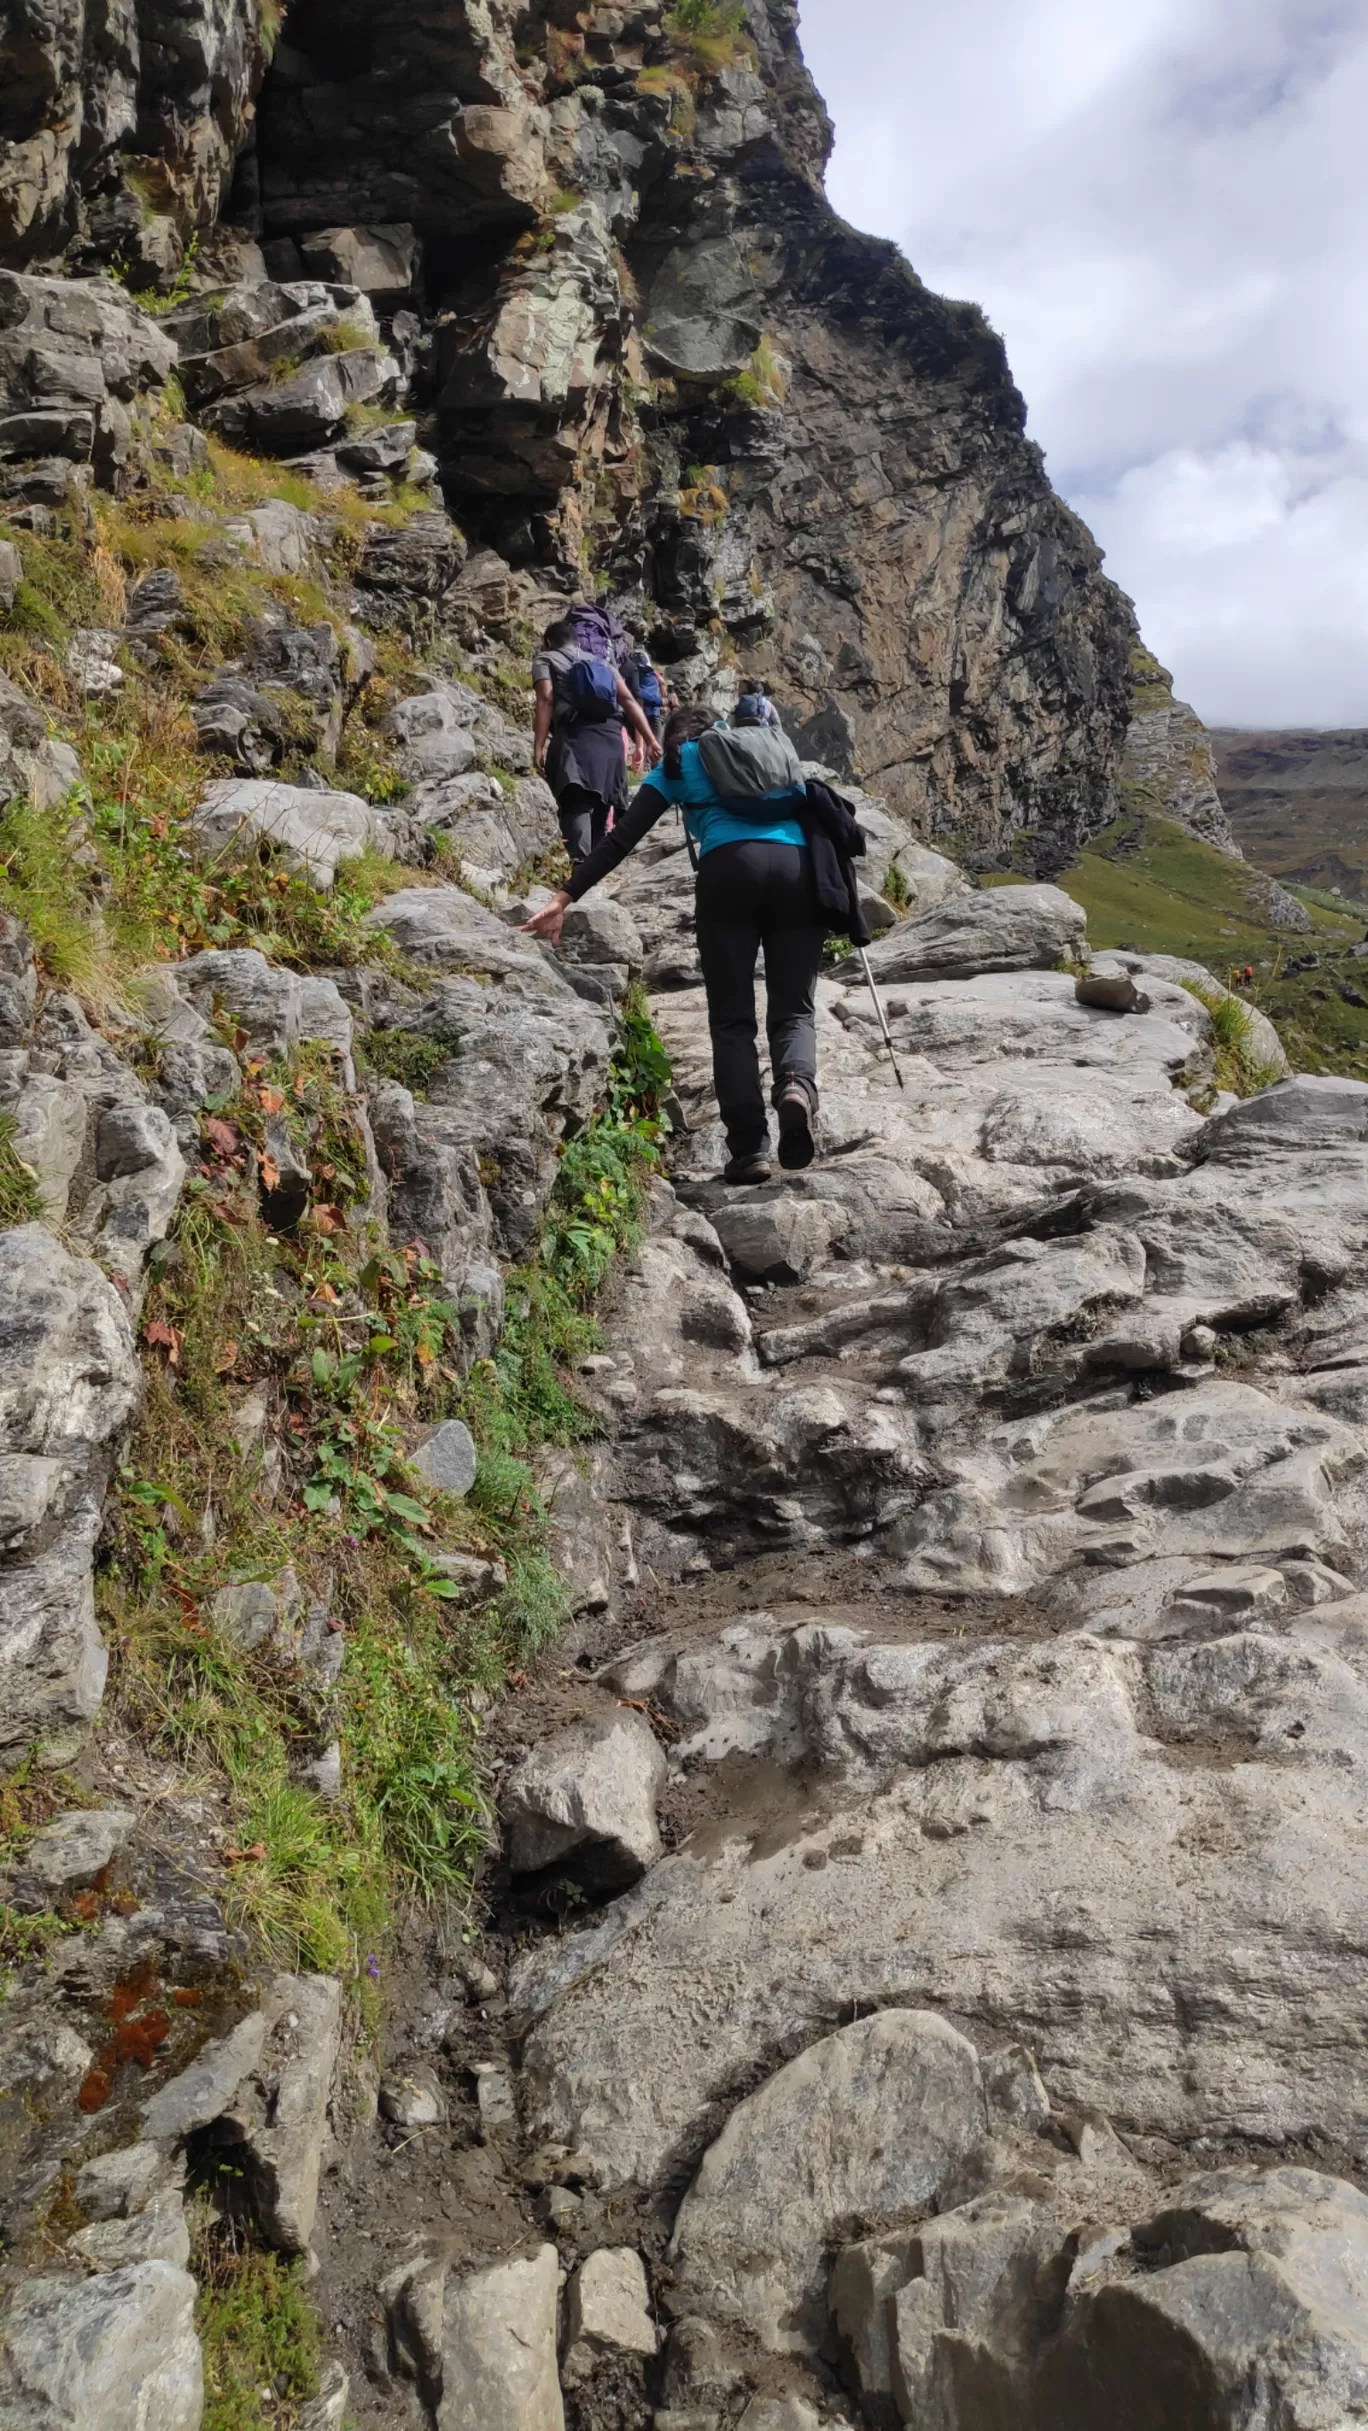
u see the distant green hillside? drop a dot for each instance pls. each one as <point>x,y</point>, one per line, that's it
<point>1146,882</point>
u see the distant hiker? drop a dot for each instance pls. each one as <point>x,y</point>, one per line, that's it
<point>582,706</point>
<point>647,684</point>
<point>755,845</point>
<point>755,708</point>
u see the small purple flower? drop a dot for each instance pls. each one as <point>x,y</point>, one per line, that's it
<point>351,1540</point>
<point>373,1968</point>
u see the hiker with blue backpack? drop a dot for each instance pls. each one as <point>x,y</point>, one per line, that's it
<point>774,858</point>
<point>647,684</point>
<point>583,703</point>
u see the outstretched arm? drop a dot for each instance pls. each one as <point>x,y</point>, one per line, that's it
<point>640,819</point>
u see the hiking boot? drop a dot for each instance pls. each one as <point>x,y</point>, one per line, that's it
<point>796,1105</point>
<point>753,1166</point>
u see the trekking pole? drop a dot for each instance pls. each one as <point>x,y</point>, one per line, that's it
<point>882,1017</point>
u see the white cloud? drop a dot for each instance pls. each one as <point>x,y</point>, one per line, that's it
<point>1162,209</point>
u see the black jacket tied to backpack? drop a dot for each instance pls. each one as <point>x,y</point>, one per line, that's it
<point>836,841</point>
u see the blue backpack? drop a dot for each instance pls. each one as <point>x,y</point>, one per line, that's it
<point>591,688</point>
<point>648,689</point>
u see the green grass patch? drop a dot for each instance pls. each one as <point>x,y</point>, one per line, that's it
<point>1239,1066</point>
<point>1146,882</point>
<point>710,33</point>
<point>354,1345</point>
<point>21,1200</point>
<point>259,2332</point>
<point>408,1056</point>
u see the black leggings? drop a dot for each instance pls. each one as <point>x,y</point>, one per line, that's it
<point>583,821</point>
<point>752,896</point>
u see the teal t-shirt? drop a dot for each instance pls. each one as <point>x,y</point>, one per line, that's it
<point>709,824</point>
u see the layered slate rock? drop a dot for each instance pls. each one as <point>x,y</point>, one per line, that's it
<point>76,357</point>
<point>69,1383</point>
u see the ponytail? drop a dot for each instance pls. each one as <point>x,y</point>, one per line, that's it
<point>681,727</point>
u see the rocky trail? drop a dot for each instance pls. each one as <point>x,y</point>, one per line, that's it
<point>624,1805</point>
<point>978,1722</point>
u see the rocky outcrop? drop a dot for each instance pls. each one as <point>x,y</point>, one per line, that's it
<point>1169,763</point>
<point>119,128</point>
<point>638,342</point>
<point>1169,769</point>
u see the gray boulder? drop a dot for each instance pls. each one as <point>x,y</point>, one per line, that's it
<point>441,926</point>
<point>73,355</point>
<point>308,407</point>
<point>202,2092</point>
<point>778,1239</point>
<point>386,449</point>
<point>311,831</point>
<point>273,1008</point>
<point>157,2233</point>
<point>447,1458</point>
<point>434,732</point>
<point>929,877</point>
<point>114,2353</point>
<point>607,2313</point>
<point>380,258</point>
<point>421,561</point>
<point>124,2181</point>
<point>68,1854</point>
<point>1003,928</point>
<point>250,1611</point>
<point>599,930</point>
<point>1249,2306</point>
<point>499,2348</point>
<point>588,1793</point>
<point>874,2121</point>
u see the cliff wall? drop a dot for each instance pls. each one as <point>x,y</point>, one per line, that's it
<point>643,348</point>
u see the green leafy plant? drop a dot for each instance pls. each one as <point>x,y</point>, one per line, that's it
<point>157,300</point>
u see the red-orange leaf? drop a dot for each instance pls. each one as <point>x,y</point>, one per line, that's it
<point>221,1135</point>
<point>270,1171</point>
<point>272,1101</point>
<point>161,1336</point>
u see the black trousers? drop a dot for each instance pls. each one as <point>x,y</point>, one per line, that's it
<point>754,896</point>
<point>583,821</point>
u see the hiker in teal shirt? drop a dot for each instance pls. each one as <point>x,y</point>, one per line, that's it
<point>742,793</point>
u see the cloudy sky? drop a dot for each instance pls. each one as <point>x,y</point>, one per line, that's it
<point>1163,207</point>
